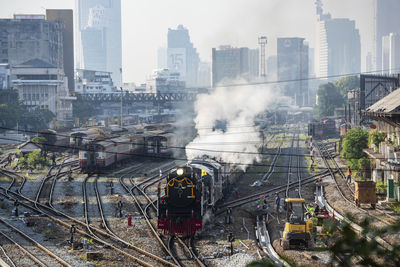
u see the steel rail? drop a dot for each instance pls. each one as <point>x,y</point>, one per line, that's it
<point>40,246</point>
<point>38,207</point>
<point>151,203</point>
<point>147,219</point>
<point>342,193</point>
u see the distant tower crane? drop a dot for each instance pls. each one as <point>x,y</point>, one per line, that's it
<point>262,41</point>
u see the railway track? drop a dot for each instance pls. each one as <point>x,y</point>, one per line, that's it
<point>346,191</point>
<point>147,219</point>
<point>117,245</point>
<point>149,211</point>
<point>38,253</point>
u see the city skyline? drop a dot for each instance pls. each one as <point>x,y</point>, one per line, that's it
<point>212,24</point>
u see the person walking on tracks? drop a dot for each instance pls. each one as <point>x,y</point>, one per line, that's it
<point>348,175</point>
<point>9,159</point>
<point>277,204</point>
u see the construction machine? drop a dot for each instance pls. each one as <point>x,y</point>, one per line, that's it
<point>297,231</point>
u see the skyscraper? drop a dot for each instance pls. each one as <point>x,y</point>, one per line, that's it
<point>182,57</point>
<point>65,18</point>
<point>28,38</point>
<point>98,36</point>
<point>387,20</point>
<point>338,47</point>
<point>391,53</point>
<point>229,63</point>
<point>293,66</point>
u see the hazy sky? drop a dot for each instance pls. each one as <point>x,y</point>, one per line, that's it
<point>212,23</point>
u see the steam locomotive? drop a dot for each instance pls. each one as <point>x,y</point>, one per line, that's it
<point>191,191</point>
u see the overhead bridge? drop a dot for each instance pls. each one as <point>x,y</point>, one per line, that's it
<point>129,97</point>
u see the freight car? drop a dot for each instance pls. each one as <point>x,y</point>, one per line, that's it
<point>191,191</point>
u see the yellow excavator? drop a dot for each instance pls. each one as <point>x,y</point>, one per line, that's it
<point>297,231</point>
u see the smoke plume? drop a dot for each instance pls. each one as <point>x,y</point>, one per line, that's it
<point>225,123</point>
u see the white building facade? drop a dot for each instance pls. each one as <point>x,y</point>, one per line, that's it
<point>41,85</point>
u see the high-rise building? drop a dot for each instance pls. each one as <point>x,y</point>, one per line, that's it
<point>64,20</point>
<point>98,36</point>
<point>204,75</point>
<point>43,85</point>
<point>272,71</point>
<point>28,37</point>
<point>162,58</point>
<point>391,53</point>
<point>387,20</point>
<point>182,57</point>
<point>230,63</point>
<point>254,63</point>
<point>338,47</point>
<point>293,67</point>
<point>368,63</point>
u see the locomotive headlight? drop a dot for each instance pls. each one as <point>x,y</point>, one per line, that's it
<point>179,171</point>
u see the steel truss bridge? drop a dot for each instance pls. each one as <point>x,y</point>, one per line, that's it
<point>134,98</point>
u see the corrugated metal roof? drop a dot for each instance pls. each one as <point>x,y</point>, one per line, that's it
<point>389,103</point>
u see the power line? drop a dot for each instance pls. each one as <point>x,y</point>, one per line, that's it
<point>306,79</point>
<point>185,159</point>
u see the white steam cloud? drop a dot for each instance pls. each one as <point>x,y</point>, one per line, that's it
<point>225,123</point>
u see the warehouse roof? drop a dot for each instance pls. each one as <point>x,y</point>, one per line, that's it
<point>388,104</point>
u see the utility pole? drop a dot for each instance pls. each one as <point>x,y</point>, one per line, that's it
<point>121,108</point>
<point>262,41</point>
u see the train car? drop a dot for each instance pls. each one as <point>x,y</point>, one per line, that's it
<point>101,154</point>
<point>55,141</point>
<point>83,137</point>
<point>158,143</point>
<point>191,191</point>
<point>329,126</point>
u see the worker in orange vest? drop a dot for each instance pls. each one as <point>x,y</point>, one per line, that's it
<point>348,175</point>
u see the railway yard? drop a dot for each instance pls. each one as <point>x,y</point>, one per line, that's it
<point>65,216</point>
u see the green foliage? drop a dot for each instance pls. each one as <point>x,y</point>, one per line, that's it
<point>329,98</point>
<point>346,84</point>
<point>376,137</point>
<point>82,109</point>
<point>334,95</point>
<point>353,249</point>
<point>352,147</point>
<point>14,112</point>
<point>395,207</point>
<point>381,187</point>
<point>34,159</point>
<point>350,248</point>
<point>39,140</point>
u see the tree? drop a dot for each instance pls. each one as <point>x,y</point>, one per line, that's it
<point>349,248</point>
<point>329,98</point>
<point>352,147</point>
<point>346,84</point>
<point>82,109</point>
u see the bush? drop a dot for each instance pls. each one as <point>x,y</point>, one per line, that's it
<point>34,159</point>
<point>376,138</point>
<point>352,147</point>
